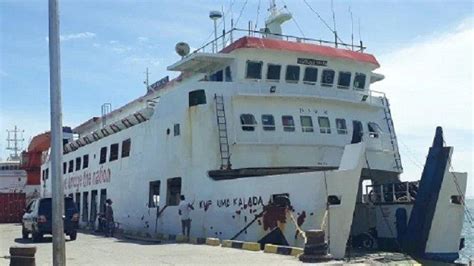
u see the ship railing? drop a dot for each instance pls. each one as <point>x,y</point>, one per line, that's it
<point>228,37</point>
<point>392,193</point>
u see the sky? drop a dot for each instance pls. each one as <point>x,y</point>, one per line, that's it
<point>425,49</point>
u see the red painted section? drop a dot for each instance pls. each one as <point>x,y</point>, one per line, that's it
<point>314,49</point>
<point>31,159</point>
<point>12,206</point>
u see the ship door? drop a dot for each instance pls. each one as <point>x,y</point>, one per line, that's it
<point>357,131</point>
<point>93,214</point>
<point>103,198</point>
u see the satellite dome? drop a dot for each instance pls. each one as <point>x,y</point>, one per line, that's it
<point>182,48</point>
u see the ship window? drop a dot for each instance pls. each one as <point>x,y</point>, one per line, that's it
<point>71,166</point>
<point>254,70</point>
<point>328,77</point>
<point>176,130</point>
<point>126,145</point>
<point>248,122</point>
<point>218,76</point>
<point>114,151</point>
<point>359,81</point>
<point>174,191</point>
<point>228,74</point>
<point>288,123</point>
<point>344,80</point>
<point>273,72</point>
<point>85,161</point>
<point>341,126</point>
<point>46,173</point>
<point>154,194</point>
<point>324,125</point>
<point>78,163</point>
<point>42,174</point>
<point>103,155</point>
<point>306,123</point>
<point>292,73</point>
<point>268,122</point>
<point>197,97</point>
<point>374,130</point>
<point>310,75</point>
<point>64,167</point>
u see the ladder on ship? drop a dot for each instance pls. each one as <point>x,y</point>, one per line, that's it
<point>393,136</point>
<point>222,132</point>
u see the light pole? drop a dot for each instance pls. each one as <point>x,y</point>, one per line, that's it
<point>215,15</point>
<point>59,252</point>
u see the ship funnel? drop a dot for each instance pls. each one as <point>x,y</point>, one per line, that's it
<point>274,21</point>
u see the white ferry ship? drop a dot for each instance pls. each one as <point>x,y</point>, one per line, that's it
<point>265,134</point>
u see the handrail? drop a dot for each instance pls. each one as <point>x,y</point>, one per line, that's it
<point>222,38</point>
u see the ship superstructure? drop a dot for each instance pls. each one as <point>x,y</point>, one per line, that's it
<point>259,130</point>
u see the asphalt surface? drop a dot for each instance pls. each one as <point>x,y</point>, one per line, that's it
<point>91,249</point>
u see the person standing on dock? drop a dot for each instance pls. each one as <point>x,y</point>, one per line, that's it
<point>184,210</point>
<point>109,219</point>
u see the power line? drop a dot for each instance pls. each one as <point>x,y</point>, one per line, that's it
<point>258,13</point>
<point>325,23</point>
<point>240,14</point>
<point>293,18</point>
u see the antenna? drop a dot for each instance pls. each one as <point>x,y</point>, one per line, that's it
<point>360,39</point>
<point>13,142</point>
<point>352,29</point>
<point>146,82</point>
<point>334,22</point>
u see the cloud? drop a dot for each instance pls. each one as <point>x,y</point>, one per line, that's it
<point>75,36</point>
<point>142,39</point>
<point>143,60</point>
<point>430,83</point>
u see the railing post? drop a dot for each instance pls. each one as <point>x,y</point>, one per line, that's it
<point>382,196</point>
<point>394,197</point>
<point>408,192</point>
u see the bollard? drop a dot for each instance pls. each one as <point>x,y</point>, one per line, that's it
<point>22,256</point>
<point>315,248</point>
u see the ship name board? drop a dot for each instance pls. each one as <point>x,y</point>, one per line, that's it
<point>311,62</point>
<point>88,178</point>
<point>160,83</point>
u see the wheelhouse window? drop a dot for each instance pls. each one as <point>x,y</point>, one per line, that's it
<point>374,130</point>
<point>114,151</point>
<point>344,80</point>
<point>359,81</point>
<point>228,74</point>
<point>126,145</point>
<point>64,167</point>
<point>306,123</point>
<point>288,123</point>
<point>248,122</point>
<point>217,76</point>
<point>103,155</point>
<point>85,161</point>
<point>78,163</point>
<point>310,75</point>
<point>254,70</point>
<point>292,73</point>
<point>268,122</point>
<point>324,125</point>
<point>328,77</point>
<point>341,126</point>
<point>273,72</point>
<point>71,166</point>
